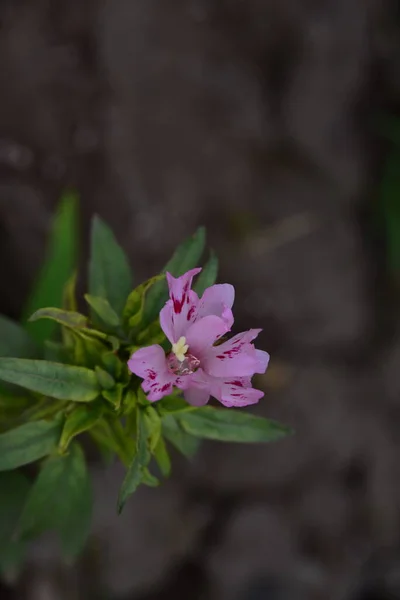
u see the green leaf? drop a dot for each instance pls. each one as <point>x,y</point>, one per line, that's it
<point>106,381</point>
<point>149,479</point>
<point>81,419</point>
<point>184,442</point>
<point>61,257</point>
<point>14,488</point>
<point>208,276</point>
<point>58,501</point>
<point>231,425</point>
<point>68,318</point>
<point>69,294</point>
<point>109,272</point>
<point>185,257</point>
<point>103,309</point>
<point>16,341</point>
<point>174,404</point>
<point>162,457</point>
<point>63,382</point>
<point>27,443</point>
<point>114,396</point>
<point>86,351</point>
<point>390,206</point>
<point>153,426</point>
<point>134,475</point>
<point>135,304</point>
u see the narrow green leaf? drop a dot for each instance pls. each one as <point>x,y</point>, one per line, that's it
<point>69,294</point>
<point>188,254</point>
<point>81,419</point>
<point>103,309</point>
<point>162,457</point>
<point>68,318</point>
<point>184,442</point>
<point>61,257</point>
<point>114,396</point>
<point>16,341</point>
<point>110,275</point>
<point>152,423</point>
<point>63,382</point>
<point>231,425</point>
<point>58,501</point>
<point>106,381</point>
<point>86,351</point>
<point>174,404</point>
<point>14,488</point>
<point>208,276</point>
<point>185,257</point>
<point>390,206</point>
<point>135,304</point>
<point>149,479</point>
<point>27,443</point>
<point>133,477</point>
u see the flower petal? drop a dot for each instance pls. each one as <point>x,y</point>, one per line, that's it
<point>150,364</point>
<point>183,304</point>
<point>237,393</point>
<point>262,361</point>
<point>166,321</point>
<point>217,300</point>
<point>236,357</point>
<point>197,397</point>
<point>203,333</point>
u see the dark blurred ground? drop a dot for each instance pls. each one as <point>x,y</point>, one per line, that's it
<point>255,118</point>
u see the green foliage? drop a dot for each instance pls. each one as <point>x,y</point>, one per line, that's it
<point>230,426</point>
<point>208,276</point>
<point>110,276</point>
<point>60,263</point>
<point>64,382</point>
<point>82,418</point>
<point>14,489</point>
<point>134,476</point>
<point>386,211</point>
<point>16,341</point>
<point>59,500</point>
<point>58,390</point>
<point>27,443</point>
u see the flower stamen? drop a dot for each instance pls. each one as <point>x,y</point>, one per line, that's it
<point>180,348</point>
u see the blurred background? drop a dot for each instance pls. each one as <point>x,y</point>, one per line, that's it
<point>276,124</point>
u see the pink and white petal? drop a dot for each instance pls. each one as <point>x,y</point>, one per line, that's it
<point>236,396</point>
<point>202,334</point>
<point>196,396</point>
<point>218,300</point>
<point>150,364</point>
<point>183,303</point>
<point>262,361</point>
<point>157,389</point>
<point>166,321</point>
<point>147,362</point>
<point>236,357</point>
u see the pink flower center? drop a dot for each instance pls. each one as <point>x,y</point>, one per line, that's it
<point>187,366</point>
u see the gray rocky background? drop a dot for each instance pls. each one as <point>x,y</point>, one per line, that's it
<point>254,117</point>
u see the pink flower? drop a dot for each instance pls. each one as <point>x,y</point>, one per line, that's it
<point>195,364</point>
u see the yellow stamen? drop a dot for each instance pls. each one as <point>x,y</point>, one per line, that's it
<point>180,348</point>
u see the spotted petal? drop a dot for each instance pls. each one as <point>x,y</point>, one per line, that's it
<point>236,357</point>
<point>238,392</point>
<point>150,364</point>
<point>182,305</point>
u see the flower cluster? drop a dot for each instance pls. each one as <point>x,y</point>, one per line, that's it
<point>200,362</point>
